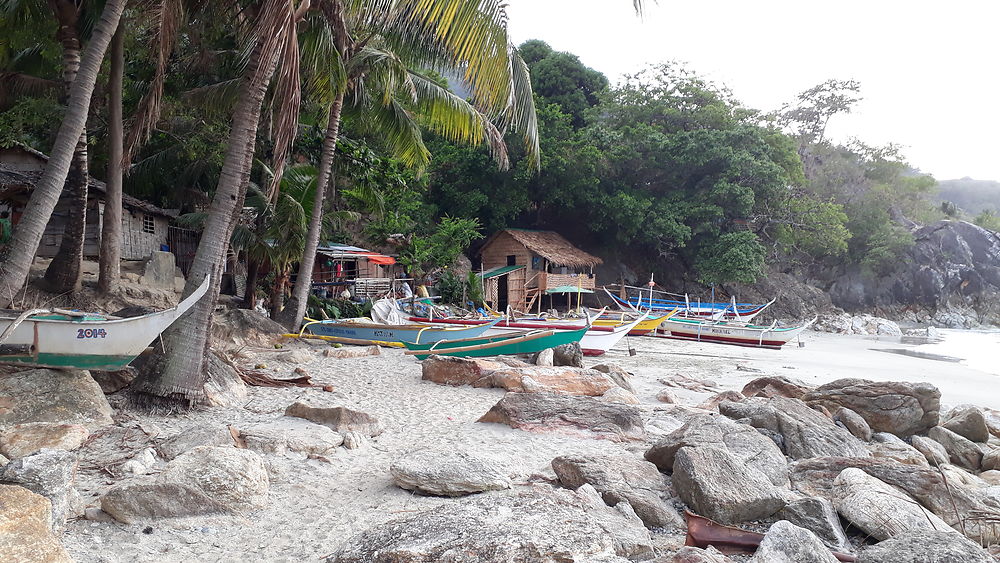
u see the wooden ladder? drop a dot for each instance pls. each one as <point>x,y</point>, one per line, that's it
<point>531,294</point>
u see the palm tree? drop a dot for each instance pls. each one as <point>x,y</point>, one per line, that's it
<point>381,45</point>
<point>109,266</point>
<point>21,251</point>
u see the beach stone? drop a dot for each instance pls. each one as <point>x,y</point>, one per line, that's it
<point>775,386</point>
<point>205,480</point>
<point>543,358</point>
<point>296,356</point>
<point>715,484</point>
<point>622,477</point>
<point>667,396</point>
<point>879,509</point>
<point>583,416</point>
<point>933,451</point>
<point>290,434</point>
<point>854,423</point>
<point>448,472</point>
<point>991,460</point>
<point>202,434</point>
<point>695,555</point>
<point>888,446</point>
<point>26,534</point>
<point>712,403</point>
<point>158,271</point>
<point>354,440</point>
<point>991,476</point>
<point>449,370</point>
<point>352,352</point>
<point>568,355</point>
<point>50,473</point>
<point>962,451</point>
<point>3,460</point>
<point>968,422</point>
<point>621,377</point>
<point>566,380</point>
<point>925,546</point>
<point>25,439</point>
<point>820,517</point>
<point>887,406</point>
<point>50,395</point>
<point>805,432</point>
<point>535,523</point>
<point>785,542</point>
<point>618,395</point>
<point>749,446</point>
<point>339,419</point>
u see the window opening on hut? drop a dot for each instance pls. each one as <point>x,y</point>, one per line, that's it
<point>511,260</point>
<point>148,226</point>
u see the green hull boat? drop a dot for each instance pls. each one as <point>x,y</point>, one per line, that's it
<point>526,343</point>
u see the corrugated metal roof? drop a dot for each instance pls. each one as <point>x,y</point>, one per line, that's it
<point>499,271</point>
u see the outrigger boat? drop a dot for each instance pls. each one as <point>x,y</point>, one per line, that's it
<point>650,324</point>
<point>57,338</point>
<point>743,311</point>
<point>725,332</point>
<point>367,331</point>
<point>518,343</point>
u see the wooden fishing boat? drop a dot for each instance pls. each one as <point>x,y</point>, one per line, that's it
<point>74,340</point>
<point>521,323</point>
<point>724,332</point>
<point>515,343</point>
<point>359,329</point>
<point>596,343</point>
<point>650,324</point>
<point>732,310</point>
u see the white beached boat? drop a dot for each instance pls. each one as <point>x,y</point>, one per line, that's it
<point>725,332</point>
<point>68,339</point>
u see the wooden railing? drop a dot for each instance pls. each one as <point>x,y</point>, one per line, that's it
<point>548,281</point>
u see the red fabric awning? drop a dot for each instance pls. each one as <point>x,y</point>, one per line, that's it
<point>376,258</point>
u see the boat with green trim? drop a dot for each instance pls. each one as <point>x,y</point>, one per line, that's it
<point>501,345</point>
<point>56,338</point>
<point>368,330</point>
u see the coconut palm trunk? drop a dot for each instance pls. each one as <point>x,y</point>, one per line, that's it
<point>16,262</point>
<point>295,309</point>
<point>178,374</point>
<point>109,267</point>
<point>64,272</point>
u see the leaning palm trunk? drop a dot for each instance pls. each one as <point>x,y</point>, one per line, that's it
<point>178,373</point>
<point>16,262</point>
<point>295,309</point>
<point>109,266</point>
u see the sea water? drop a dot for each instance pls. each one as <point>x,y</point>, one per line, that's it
<point>978,349</point>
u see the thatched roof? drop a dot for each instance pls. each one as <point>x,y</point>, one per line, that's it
<point>551,246</point>
<point>12,180</point>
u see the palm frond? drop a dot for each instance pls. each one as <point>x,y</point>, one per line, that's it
<point>287,92</point>
<point>399,131</point>
<point>219,97</point>
<point>323,72</point>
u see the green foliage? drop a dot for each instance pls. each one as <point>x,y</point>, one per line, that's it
<point>465,292</point>
<point>885,248</point>
<point>988,220</point>
<point>560,78</point>
<point>29,121</point>
<point>816,228</point>
<point>319,308</point>
<point>437,247</point>
<point>733,257</point>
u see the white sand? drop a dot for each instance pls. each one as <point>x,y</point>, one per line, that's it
<point>314,506</point>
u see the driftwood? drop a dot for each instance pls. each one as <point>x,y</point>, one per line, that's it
<point>703,532</point>
<point>262,379</point>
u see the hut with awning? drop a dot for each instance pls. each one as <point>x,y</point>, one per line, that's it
<point>519,266</point>
<point>363,272</point>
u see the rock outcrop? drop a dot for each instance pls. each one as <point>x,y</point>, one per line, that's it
<point>50,473</point>
<point>715,484</point>
<point>900,408</point>
<point>448,472</point>
<point>534,524</point>
<point>879,509</point>
<point>785,542</point>
<point>25,439</point>
<point>806,433</point>
<point>339,419</point>
<point>926,546</point>
<point>25,528</point>
<point>51,395</point>
<point>551,412</point>
<point>290,434</point>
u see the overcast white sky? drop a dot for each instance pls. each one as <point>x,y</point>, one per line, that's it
<point>928,70</point>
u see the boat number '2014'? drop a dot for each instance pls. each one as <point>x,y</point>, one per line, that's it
<point>91,333</point>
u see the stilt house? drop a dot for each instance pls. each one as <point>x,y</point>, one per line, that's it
<point>520,265</point>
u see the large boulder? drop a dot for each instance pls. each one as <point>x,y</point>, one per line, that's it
<point>888,406</point>
<point>448,472</point>
<point>743,441</point>
<point>25,528</point>
<point>521,379</point>
<point>775,386</point>
<point>201,434</point>
<point>962,451</point>
<point>340,419</point>
<point>806,432</point>
<point>933,451</point>
<point>622,477</point>
<point>968,422</point>
<point>785,542</point>
<point>568,355</point>
<point>290,434</point>
<point>854,423</point>
<point>715,484</point>
<point>50,473</point>
<point>879,509</point>
<point>449,370</point>
<point>819,517</point>
<point>889,446</point>
<point>621,377</point>
<point>51,395</point>
<point>25,439</point>
<point>925,546</point>
<point>585,416</point>
<point>536,523</point>
<point>204,480</point>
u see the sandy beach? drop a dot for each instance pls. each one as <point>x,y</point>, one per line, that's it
<point>314,505</point>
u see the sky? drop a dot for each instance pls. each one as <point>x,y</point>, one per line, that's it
<point>928,70</point>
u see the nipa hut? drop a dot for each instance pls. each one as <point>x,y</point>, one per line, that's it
<point>520,265</point>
